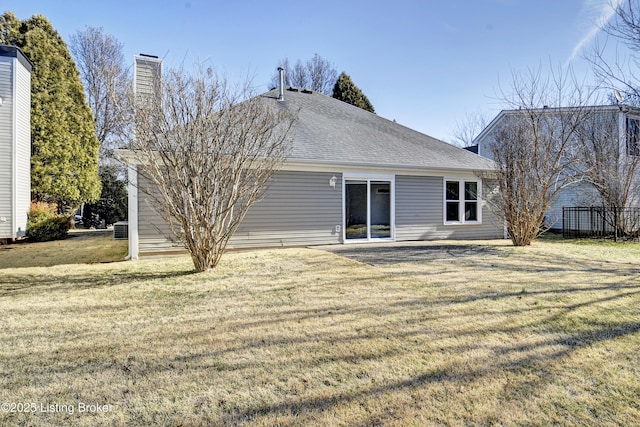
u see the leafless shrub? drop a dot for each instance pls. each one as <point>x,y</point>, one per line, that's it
<point>208,149</point>
<point>535,150</point>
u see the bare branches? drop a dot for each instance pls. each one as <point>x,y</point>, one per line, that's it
<point>605,161</point>
<point>620,73</point>
<point>209,152</point>
<point>322,74</point>
<point>614,70</point>
<point>316,74</point>
<point>610,166</point>
<point>626,26</point>
<point>107,80</point>
<point>468,128</point>
<point>535,150</point>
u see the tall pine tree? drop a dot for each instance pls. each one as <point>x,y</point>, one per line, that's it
<point>64,148</point>
<point>345,90</point>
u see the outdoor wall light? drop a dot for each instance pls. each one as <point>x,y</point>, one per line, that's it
<point>332,181</point>
<point>0,101</point>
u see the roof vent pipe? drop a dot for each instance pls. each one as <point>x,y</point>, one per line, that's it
<point>281,87</point>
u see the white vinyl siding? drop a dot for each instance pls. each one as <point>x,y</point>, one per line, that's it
<point>15,147</point>
<point>6,147</point>
<point>578,194</point>
<point>23,149</point>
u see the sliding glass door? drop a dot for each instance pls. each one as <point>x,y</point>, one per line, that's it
<point>367,209</point>
<point>380,209</point>
<point>356,209</point>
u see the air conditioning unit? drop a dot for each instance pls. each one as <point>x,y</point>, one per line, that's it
<point>121,230</point>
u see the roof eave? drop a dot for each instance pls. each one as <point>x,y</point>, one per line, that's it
<point>129,157</point>
<point>310,163</point>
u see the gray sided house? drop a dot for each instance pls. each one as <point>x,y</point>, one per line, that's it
<point>619,123</point>
<point>351,176</point>
<point>15,141</point>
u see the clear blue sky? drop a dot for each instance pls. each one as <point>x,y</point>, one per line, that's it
<point>423,63</point>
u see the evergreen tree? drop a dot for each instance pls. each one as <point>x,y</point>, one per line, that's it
<point>112,205</point>
<point>345,90</point>
<point>64,148</point>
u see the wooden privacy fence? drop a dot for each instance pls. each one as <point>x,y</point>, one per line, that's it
<point>601,222</point>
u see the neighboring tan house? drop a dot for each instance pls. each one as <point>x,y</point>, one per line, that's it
<point>15,142</point>
<point>351,176</point>
<point>624,124</point>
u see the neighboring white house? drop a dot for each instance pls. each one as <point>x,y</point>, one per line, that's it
<point>624,121</point>
<point>351,176</point>
<point>15,141</point>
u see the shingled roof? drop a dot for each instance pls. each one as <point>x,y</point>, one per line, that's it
<point>334,132</point>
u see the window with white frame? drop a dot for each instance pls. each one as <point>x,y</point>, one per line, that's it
<point>633,136</point>
<point>461,201</point>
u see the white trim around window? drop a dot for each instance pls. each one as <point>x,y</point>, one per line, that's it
<point>632,134</point>
<point>462,202</point>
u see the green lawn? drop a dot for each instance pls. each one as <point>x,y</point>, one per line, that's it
<point>543,335</point>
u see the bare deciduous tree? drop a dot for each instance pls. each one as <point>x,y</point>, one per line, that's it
<point>605,160</point>
<point>208,150</point>
<point>316,74</point>
<point>615,69</point>
<point>626,25</point>
<point>611,166</point>
<point>535,150</point>
<point>299,76</point>
<point>619,74</point>
<point>107,81</point>
<point>322,75</point>
<point>468,128</point>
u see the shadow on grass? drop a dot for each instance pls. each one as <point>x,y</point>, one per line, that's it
<point>398,321</point>
<point>483,257</point>
<point>268,330</point>
<point>531,360</point>
<point>398,253</point>
<point>14,285</point>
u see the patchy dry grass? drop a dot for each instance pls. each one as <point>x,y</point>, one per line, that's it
<point>81,247</point>
<point>548,334</point>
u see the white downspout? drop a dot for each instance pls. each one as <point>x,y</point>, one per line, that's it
<point>132,189</point>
